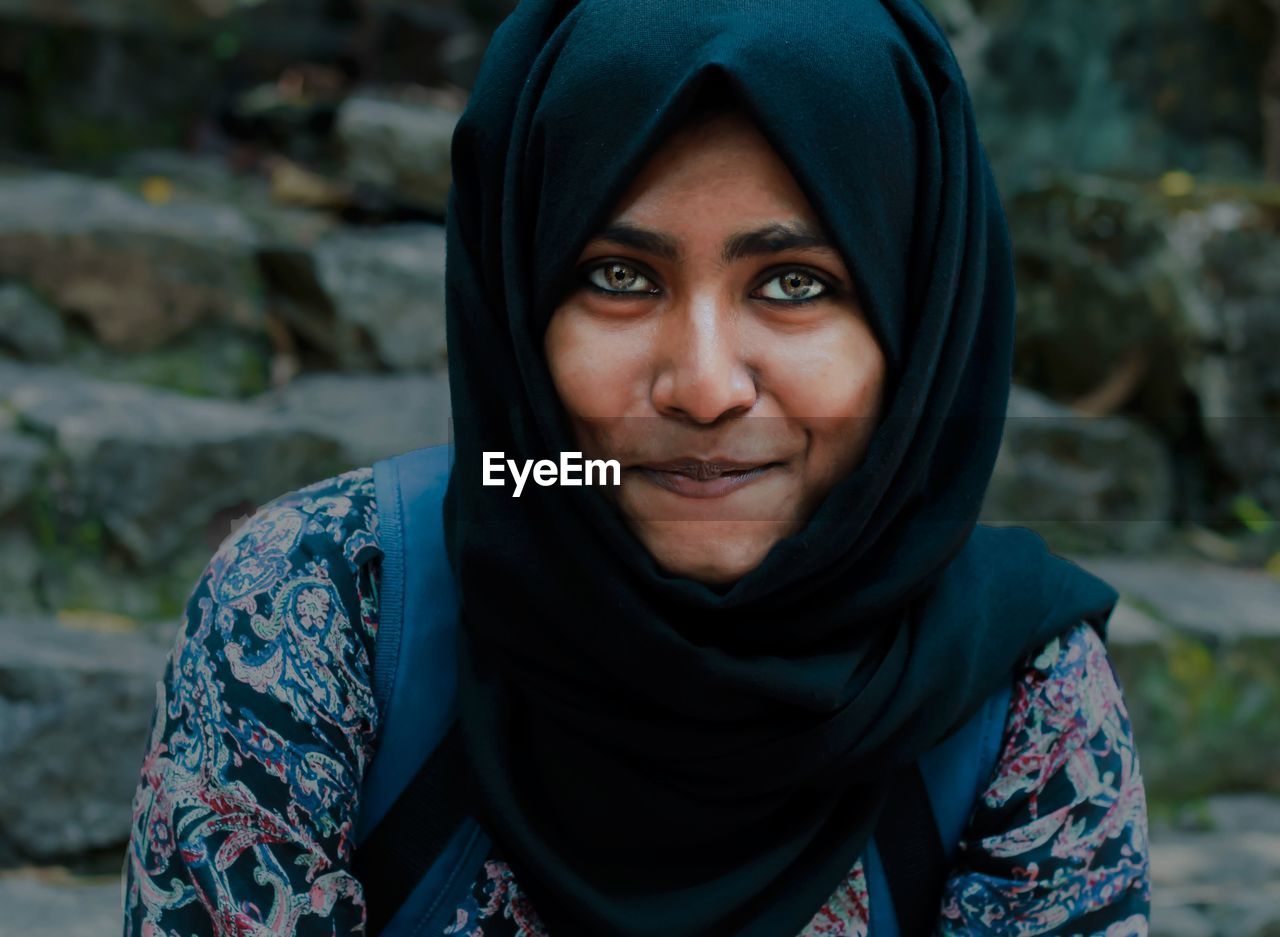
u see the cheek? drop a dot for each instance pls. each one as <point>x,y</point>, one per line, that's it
<point>600,368</point>
<point>832,385</point>
<point>835,375</point>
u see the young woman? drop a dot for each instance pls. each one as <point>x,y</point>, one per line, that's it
<point>752,252</point>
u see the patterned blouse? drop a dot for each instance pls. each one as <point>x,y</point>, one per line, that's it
<point>264,723</point>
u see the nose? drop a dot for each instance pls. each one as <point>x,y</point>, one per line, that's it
<point>702,374</point>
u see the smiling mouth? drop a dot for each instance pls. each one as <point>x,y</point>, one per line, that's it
<point>694,478</point>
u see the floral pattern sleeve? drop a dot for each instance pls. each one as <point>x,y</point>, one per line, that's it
<point>1057,843</point>
<point>264,721</point>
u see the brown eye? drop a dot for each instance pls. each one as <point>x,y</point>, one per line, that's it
<point>795,286</point>
<point>617,277</point>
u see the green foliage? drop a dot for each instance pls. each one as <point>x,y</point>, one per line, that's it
<point>61,536</point>
<point>226,45</point>
<point>1180,813</point>
<point>201,364</point>
<point>1203,713</point>
<point>1251,514</point>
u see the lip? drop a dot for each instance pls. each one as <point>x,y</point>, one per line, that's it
<point>704,478</point>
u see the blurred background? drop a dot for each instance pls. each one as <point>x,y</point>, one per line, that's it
<point>221,262</point>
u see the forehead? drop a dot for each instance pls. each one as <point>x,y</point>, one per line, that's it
<point>719,169</point>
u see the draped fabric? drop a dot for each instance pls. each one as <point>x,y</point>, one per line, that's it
<point>657,756</point>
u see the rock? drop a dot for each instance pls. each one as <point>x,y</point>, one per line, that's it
<point>398,145</point>
<point>422,44</point>
<point>29,327</point>
<point>1099,291</point>
<point>20,563</point>
<point>138,273</point>
<point>1243,813</point>
<point>21,459</point>
<point>42,903</point>
<point>1160,307</point>
<point>200,174</point>
<point>1200,672</point>
<point>1124,89</point>
<point>1258,915</point>
<point>189,176</point>
<point>1130,626</point>
<point>968,35</point>
<point>1231,247</point>
<point>1221,882</point>
<point>277,34</point>
<point>75,705</point>
<point>87,577</point>
<point>91,79</point>
<point>172,16</point>
<point>461,55</point>
<point>149,470</point>
<point>372,417</point>
<point>1171,919</point>
<point>1083,482</point>
<point>210,360</point>
<point>80,92</point>
<point>369,298</point>
<point>489,13</point>
<point>389,283</point>
<point>1212,602</point>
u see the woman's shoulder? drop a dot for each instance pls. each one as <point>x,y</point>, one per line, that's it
<point>1060,834</point>
<point>1069,652</point>
<point>341,509</point>
<point>306,560</point>
<point>264,722</point>
<point>1068,692</point>
<point>301,569</point>
<point>1067,699</point>
<point>329,525</point>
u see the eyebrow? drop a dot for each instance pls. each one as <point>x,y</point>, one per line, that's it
<point>769,239</point>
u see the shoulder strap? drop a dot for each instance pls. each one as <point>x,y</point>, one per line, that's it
<point>415,843</point>
<point>911,850</point>
<point>414,677</point>
<point>919,831</point>
<point>413,834</point>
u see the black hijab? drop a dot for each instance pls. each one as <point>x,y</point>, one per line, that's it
<point>656,756</point>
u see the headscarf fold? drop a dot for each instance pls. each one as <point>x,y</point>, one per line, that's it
<point>656,756</point>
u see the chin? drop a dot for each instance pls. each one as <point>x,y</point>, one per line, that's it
<point>713,552</point>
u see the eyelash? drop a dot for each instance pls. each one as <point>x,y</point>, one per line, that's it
<point>829,289</point>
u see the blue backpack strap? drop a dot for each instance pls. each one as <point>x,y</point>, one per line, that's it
<point>414,681</point>
<point>959,769</point>
<point>954,773</point>
<point>911,851</point>
<point>415,687</point>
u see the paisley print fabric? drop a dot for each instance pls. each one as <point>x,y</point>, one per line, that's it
<point>1058,841</point>
<point>264,722</point>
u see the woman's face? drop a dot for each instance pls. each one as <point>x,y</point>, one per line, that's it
<point>715,347</point>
